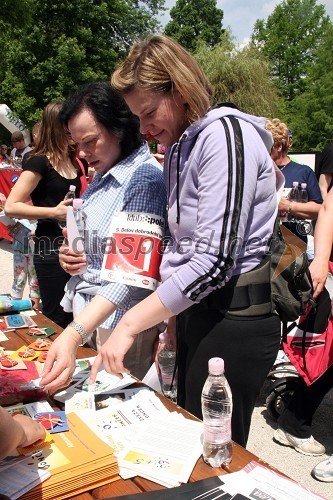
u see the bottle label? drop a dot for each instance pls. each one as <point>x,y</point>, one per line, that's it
<point>134,254</point>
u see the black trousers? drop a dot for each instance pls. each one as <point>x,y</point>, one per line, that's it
<point>52,280</point>
<point>297,417</point>
<point>249,347</point>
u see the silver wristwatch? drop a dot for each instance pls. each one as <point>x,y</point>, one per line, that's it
<point>79,329</point>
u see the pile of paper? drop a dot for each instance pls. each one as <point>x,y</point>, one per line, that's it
<point>149,440</point>
<point>105,383</point>
<point>106,422</point>
<point>76,460</point>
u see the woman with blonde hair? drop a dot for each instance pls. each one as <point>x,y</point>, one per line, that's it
<point>46,177</point>
<point>222,208</point>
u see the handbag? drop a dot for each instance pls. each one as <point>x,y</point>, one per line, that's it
<point>309,345</point>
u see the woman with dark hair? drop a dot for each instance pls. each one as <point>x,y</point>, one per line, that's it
<point>46,177</point>
<point>127,179</point>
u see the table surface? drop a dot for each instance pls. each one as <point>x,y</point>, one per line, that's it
<point>241,456</point>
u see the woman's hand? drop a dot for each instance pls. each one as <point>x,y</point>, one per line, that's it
<point>32,431</point>
<point>112,354</point>
<point>60,211</point>
<point>284,204</point>
<point>318,270</point>
<point>170,332</point>
<point>17,430</point>
<point>70,261</point>
<point>60,361</point>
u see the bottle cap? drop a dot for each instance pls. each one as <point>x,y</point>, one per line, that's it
<point>303,185</point>
<point>72,187</point>
<point>163,337</point>
<point>216,366</point>
<point>77,203</point>
<point>295,184</point>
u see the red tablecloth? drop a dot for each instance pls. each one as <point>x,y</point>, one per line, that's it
<point>8,177</point>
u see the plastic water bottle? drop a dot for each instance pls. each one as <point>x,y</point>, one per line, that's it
<point>167,365</point>
<point>18,161</point>
<point>79,216</point>
<point>303,194</point>
<point>294,196</point>
<point>216,404</point>
<point>69,196</point>
<point>304,226</point>
<point>75,221</point>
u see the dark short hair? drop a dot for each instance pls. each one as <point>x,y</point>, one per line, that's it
<point>109,109</point>
<point>17,136</point>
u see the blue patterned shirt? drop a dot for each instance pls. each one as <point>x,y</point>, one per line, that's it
<point>135,184</point>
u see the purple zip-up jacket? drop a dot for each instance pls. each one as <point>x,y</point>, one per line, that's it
<point>221,215</point>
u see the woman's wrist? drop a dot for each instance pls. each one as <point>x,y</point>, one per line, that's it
<point>80,332</point>
<point>291,207</point>
<point>72,335</point>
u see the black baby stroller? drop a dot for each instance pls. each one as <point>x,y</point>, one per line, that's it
<point>306,351</point>
<point>283,380</point>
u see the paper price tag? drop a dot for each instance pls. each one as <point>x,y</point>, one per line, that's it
<point>134,253</point>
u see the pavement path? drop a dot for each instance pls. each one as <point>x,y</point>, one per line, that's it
<point>287,460</point>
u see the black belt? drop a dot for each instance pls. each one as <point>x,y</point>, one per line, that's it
<point>240,298</point>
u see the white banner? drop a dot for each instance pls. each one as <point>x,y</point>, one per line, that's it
<point>12,123</point>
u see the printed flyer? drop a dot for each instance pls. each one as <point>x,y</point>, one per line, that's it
<point>134,251</point>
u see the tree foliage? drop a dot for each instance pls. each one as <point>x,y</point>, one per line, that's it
<point>194,21</point>
<point>48,48</point>
<point>289,39</point>
<point>311,113</point>
<point>241,76</point>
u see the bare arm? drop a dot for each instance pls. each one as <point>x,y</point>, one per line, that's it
<point>16,204</point>
<point>17,430</point>
<point>307,210</point>
<point>323,241</point>
<point>324,183</point>
<point>147,313</point>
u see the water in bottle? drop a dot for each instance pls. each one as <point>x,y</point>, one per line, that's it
<point>76,230</point>
<point>304,226</point>
<point>303,194</point>
<point>69,196</point>
<point>293,196</point>
<point>79,216</point>
<point>167,367</point>
<point>216,403</point>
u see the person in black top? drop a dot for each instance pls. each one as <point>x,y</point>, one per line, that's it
<point>46,177</point>
<point>325,169</point>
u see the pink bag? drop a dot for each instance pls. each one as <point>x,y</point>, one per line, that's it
<point>309,345</point>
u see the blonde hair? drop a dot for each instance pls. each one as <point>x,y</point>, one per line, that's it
<point>158,63</point>
<point>280,133</point>
<point>52,139</point>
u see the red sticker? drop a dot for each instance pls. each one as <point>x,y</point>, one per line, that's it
<point>8,362</point>
<point>43,343</point>
<point>27,353</point>
<point>49,420</point>
<point>37,331</point>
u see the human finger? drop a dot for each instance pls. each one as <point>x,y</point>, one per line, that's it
<point>94,369</point>
<point>33,431</point>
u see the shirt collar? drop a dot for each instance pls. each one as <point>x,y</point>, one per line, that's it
<point>124,168</point>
